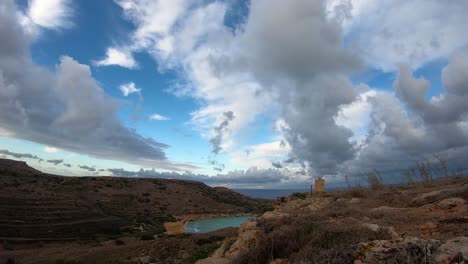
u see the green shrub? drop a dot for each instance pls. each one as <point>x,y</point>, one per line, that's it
<point>203,241</point>
<point>375,180</point>
<point>147,237</point>
<point>72,181</point>
<point>199,254</point>
<point>299,195</point>
<point>119,242</point>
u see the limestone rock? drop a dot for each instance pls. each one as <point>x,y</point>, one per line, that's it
<point>453,251</point>
<point>249,225</point>
<point>146,259</point>
<point>390,230</point>
<point>450,203</point>
<point>411,249</point>
<point>244,241</point>
<point>274,214</point>
<point>214,260</point>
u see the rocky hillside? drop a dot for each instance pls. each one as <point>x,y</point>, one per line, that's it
<point>426,223</point>
<point>38,206</point>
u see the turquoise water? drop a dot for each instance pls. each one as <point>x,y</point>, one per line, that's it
<point>212,224</point>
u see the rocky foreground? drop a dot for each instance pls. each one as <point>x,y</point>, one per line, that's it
<point>426,223</point>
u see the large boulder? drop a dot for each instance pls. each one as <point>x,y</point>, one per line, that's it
<point>453,251</point>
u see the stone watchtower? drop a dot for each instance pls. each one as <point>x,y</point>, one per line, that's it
<point>319,185</point>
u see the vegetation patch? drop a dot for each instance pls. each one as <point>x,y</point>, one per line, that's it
<point>306,239</point>
<point>66,261</point>
<point>212,239</point>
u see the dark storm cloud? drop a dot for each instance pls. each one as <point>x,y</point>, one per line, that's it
<point>65,108</point>
<point>19,155</point>
<point>220,130</point>
<point>406,128</point>
<point>55,161</point>
<point>276,164</point>
<point>84,167</point>
<point>304,64</point>
<point>67,165</point>
<point>252,176</point>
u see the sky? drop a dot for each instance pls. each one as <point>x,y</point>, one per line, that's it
<point>237,93</point>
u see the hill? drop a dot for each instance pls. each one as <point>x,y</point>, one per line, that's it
<point>39,206</point>
<point>422,223</point>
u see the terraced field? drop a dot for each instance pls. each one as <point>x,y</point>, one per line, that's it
<point>37,206</point>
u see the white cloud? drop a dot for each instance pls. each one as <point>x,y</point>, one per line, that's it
<point>118,57</point>
<point>50,149</point>
<point>261,155</point>
<point>389,32</point>
<point>157,117</point>
<point>296,63</point>
<point>65,108</point>
<point>47,14</point>
<point>129,88</point>
<point>356,115</point>
<point>193,37</point>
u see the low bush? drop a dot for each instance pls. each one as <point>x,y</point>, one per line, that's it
<point>119,242</point>
<point>307,240</point>
<point>65,261</point>
<point>203,241</point>
<point>299,195</point>
<point>147,237</point>
<point>199,254</point>
<point>375,180</point>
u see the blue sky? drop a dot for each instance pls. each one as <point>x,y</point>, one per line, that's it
<point>302,89</point>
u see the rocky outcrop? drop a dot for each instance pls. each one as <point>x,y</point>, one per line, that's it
<point>453,251</point>
<point>230,249</point>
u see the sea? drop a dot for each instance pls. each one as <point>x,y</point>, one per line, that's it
<point>269,193</point>
<point>211,224</point>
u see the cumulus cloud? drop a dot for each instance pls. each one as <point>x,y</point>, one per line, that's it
<point>65,108</point>
<point>55,161</point>
<point>307,73</point>
<point>129,88</point>
<point>67,165</point>
<point>411,128</point>
<point>157,117</point>
<point>46,14</point>
<point>264,155</point>
<point>415,32</point>
<point>118,57</point>
<point>296,63</point>
<point>192,36</point>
